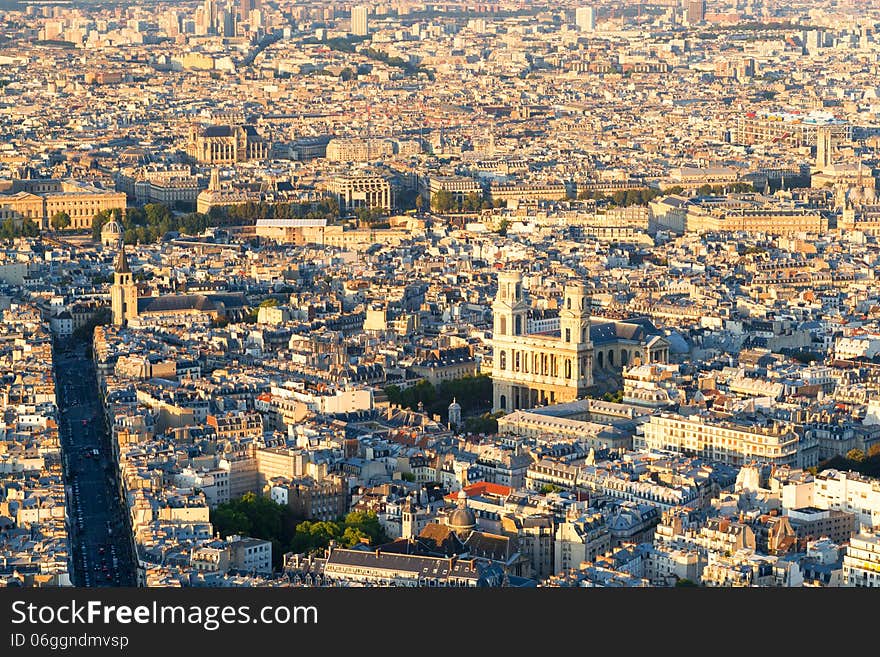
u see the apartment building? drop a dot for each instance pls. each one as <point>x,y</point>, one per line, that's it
<point>729,442</point>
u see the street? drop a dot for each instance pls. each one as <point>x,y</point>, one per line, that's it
<point>101,549</point>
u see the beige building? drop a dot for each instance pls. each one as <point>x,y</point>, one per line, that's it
<point>728,442</point>
<point>535,369</point>
<point>308,498</point>
<point>354,191</point>
<point>359,150</point>
<point>861,563</point>
<point>226,144</point>
<point>550,191</point>
<point>176,184</point>
<point>40,200</point>
<point>770,219</point>
<point>580,539</point>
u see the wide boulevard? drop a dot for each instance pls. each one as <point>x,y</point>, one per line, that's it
<point>102,551</point>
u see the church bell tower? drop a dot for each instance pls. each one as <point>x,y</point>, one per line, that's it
<point>123,294</point>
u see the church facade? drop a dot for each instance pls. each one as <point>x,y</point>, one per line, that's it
<point>532,369</point>
<point>560,359</point>
<point>226,144</point>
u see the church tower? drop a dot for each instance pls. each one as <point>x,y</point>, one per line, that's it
<point>123,294</point>
<point>574,318</point>
<point>509,308</point>
<point>544,363</point>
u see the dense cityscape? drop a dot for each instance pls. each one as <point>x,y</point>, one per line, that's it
<point>444,294</point>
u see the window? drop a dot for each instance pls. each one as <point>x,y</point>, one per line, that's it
<point>502,361</point>
<point>568,335</point>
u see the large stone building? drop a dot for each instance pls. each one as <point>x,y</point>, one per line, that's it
<point>733,443</point>
<point>356,191</point>
<point>41,199</point>
<point>557,359</point>
<point>127,307</point>
<point>539,368</point>
<point>861,564</point>
<point>151,184</point>
<point>226,144</point>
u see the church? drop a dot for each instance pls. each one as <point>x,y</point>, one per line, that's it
<point>560,360</point>
<point>129,309</point>
<point>226,144</point>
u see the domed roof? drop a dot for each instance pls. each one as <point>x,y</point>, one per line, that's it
<point>462,520</point>
<point>112,227</point>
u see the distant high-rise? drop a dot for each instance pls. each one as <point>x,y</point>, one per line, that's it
<point>359,25</point>
<point>228,23</point>
<point>696,11</point>
<point>210,16</point>
<point>585,18</point>
<point>245,7</point>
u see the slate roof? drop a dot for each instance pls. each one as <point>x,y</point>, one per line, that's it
<point>175,303</point>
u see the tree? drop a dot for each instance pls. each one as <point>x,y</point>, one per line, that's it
<point>60,220</point>
<point>487,423</point>
<point>443,201</point>
<point>420,202</point>
<point>472,392</point>
<point>685,583</point>
<point>856,455</point>
<point>9,231</point>
<point>874,451</point>
<point>471,202</point>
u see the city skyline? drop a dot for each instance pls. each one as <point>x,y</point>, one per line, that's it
<point>503,294</point>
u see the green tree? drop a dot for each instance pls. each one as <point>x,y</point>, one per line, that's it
<point>443,201</point>
<point>60,220</point>
<point>856,455</point>
<point>352,536</point>
<point>258,517</point>
<point>472,202</point>
<point>486,423</point>
<point>9,231</point>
